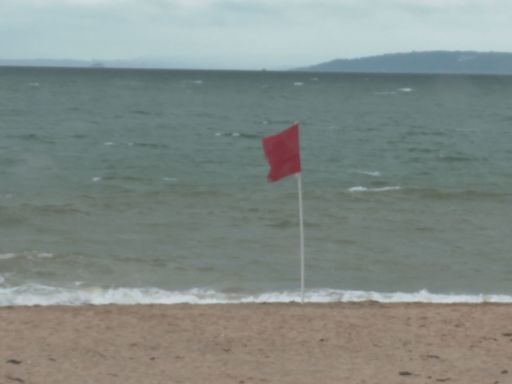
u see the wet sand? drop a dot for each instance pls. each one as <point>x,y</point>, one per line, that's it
<point>366,343</point>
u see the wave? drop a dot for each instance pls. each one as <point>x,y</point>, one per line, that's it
<point>458,158</point>
<point>468,194</point>
<point>118,178</point>
<point>21,214</point>
<point>150,145</point>
<point>32,137</point>
<point>7,256</point>
<point>384,93</point>
<point>31,294</point>
<point>379,189</point>
<point>369,173</point>
<point>137,144</point>
<point>237,134</point>
<point>140,112</point>
<point>41,209</point>
<point>437,194</point>
<point>26,255</point>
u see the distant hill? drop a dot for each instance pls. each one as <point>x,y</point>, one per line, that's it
<point>434,62</point>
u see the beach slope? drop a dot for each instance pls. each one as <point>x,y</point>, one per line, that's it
<point>257,343</point>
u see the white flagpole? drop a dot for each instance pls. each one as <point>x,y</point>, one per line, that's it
<point>301,224</point>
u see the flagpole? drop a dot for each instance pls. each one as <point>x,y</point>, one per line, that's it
<point>282,151</point>
<point>301,225</point>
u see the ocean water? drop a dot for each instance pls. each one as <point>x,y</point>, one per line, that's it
<point>126,186</point>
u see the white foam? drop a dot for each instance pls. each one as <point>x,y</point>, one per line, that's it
<point>381,189</point>
<point>370,173</point>
<point>32,294</point>
<point>96,179</point>
<point>406,90</point>
<point>232,134</point>
<point>108,143</point>
<point>29,255</point>
<point>298,83</point>
<point>7,256</point>
<point>45,255</point>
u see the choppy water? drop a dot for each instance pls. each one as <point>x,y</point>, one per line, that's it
<point>150,186</point>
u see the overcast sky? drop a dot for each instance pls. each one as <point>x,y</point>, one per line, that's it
<point>248,34</point>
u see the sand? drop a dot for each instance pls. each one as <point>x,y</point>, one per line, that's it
<point>367,343</point>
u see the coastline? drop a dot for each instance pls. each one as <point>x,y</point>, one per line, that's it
<point>32,295</point>
<point>364,342</point>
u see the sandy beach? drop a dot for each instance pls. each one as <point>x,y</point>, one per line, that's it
<point>366,343</point>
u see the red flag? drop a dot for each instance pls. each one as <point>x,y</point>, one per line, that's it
<point>283,153</point>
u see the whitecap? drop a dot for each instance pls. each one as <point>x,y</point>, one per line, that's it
<point>108,143</point>
<point>7,256</point>
<point>28,255</point>
<point>379,189</point>
<point>44,255</point>
<point>369,173</point>
<point>405,89</point>
<point>232,134</point>
<point>96,179</point>
<point>298,84</point>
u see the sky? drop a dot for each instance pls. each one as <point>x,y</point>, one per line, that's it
<point>248,34</point>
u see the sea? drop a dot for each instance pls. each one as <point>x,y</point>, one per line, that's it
<point>149,186</point>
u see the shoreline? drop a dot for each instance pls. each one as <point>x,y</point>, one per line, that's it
<point>365,342</point>
<point>27,295</point>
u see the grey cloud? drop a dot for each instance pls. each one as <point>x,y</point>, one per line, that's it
<point>248,33</point>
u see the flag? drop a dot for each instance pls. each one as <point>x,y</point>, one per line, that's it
<point>283,153</point>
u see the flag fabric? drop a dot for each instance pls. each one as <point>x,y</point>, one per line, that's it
<point>282,151</point>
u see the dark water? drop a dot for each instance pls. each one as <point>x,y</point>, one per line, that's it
<point>144,185</point>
